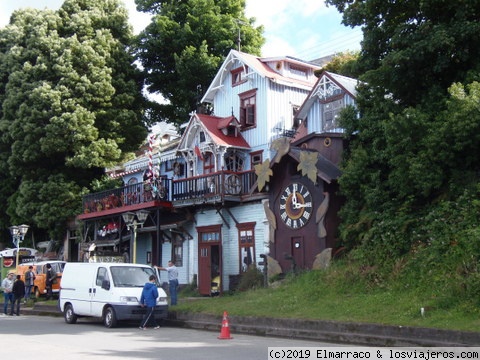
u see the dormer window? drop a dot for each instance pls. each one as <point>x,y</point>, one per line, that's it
<point>201,136</point>
<point>239,75</point>
<point>231,131</point>
<point>299,72</point>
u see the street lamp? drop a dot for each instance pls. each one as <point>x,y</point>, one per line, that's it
<point>132,222</point>
<point>18,234</point>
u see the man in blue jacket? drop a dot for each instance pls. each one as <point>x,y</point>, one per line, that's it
<point>149,299</point>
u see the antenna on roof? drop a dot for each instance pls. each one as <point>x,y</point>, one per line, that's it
<point>239,39</point>
<point>232,111</point>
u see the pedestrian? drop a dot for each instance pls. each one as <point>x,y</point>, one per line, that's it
<point>172,271</point>
<point>7,285</point>
<point>51,278</point>
<point>29,282</point>
<point>149,300</point>
<point>18,290</point>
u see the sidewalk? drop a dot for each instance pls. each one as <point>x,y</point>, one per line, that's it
<point>327,331</point>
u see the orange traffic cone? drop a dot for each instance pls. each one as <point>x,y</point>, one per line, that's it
<point>225,332</point>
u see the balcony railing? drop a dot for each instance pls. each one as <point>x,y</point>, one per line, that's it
<point>128,195</point>
<point>209,188</point>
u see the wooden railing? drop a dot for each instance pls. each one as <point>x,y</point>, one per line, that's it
<point>128,195</point>
<point>181,192</point>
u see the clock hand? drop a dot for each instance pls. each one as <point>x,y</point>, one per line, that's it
<point>299,206</point>
<point>294,200</point>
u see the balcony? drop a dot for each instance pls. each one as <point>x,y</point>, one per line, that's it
<point>219,187</point>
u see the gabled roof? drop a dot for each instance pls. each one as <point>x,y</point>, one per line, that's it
<point>213,126</point>
<point>325,83</point>
<point>259,66</point>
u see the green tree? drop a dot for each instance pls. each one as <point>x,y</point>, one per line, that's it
<point>415,131</point>
<point>344,63</point>
<point>414,49</point>
<point>183,46</point>
<point>72,105</point>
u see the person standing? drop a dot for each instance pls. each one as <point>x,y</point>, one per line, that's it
<point>29,282</point>
<point>149,299</point>
<point>7,285</point>
<point>18,290</point>
<point>172,271</point>
<point>51,277</point>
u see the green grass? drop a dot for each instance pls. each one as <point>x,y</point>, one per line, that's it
<point>338,295</point>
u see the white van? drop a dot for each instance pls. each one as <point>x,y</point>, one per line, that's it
<point>110,291</point>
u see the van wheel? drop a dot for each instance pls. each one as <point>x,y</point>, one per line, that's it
<point>69,315</point>
<point>37,292</point>
<point>109,318</point>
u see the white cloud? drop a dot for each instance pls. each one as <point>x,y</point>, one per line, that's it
<point>302,28</point>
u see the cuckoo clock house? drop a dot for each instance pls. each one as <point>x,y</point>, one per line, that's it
<point>304,198</point>
<point>205,199</point>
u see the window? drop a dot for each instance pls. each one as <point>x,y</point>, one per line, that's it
<point>177,250</point>
<point>331,111</point>
<point>208,162</point>
<point>210,236</point>
<point>256,158</point>
<point>248,109</point>
<point>178,169</point>
<point>299,71</point>
<point>233,162</point>
<point>239,75</point>
<point>102,275</point>
<point>295,121</point>
<point>231,131</point>
<point>246,242</point>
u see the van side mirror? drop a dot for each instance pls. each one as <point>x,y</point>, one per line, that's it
<point>106,284</point>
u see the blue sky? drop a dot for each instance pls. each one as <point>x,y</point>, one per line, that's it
<point>305,29</point>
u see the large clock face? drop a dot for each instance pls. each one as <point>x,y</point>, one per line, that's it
<point>295,205</point>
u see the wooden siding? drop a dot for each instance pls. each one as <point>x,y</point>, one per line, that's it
<point>230,246</point>
<point>273,108</point>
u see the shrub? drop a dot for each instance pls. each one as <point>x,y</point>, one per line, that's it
<point>251,279</point>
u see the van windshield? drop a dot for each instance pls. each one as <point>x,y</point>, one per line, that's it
<point>125,276</point>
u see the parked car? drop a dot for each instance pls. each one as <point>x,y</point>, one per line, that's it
<point>110,291</point>
<point>40,270</point>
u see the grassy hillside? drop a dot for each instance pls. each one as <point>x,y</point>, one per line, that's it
<point>350,294</point>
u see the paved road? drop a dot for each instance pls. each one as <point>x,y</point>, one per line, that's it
<point>40,337</point>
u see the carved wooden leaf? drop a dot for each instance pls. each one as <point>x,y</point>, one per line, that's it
<point>272,221</point>
<point>282,147</point>
<point>263,173</point>
<point>320,216</point>
<point>308,165</point>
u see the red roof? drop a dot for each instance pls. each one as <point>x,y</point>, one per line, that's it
<point>214,125</point>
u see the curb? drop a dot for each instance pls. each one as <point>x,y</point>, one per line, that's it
<point>318,330</point>
<point>329,331</point>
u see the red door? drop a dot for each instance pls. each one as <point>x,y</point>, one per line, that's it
<point>209,257</point>
<point>209,268</point>
<point>204,261</point>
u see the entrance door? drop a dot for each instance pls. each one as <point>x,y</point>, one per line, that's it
<point>204,260</point>
<point>209,258</point>
<point>208,268</point>
<point>298,252</point>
